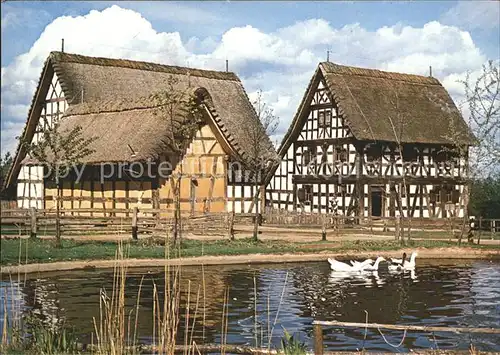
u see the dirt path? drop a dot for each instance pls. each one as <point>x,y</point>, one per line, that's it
<point>434,253</point>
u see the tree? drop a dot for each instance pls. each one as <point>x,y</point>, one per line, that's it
<point>481,107</point>
<point>5,164</point>
<point>59,151</point>
<point>261,156</point>
<point>485,197</point>
<point>482,101</point>
<point>181,110</point>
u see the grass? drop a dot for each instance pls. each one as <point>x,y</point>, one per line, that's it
<point>42,251</point>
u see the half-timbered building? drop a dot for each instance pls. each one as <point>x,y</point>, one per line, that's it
<point>112,100</point>
<point>366,142</point>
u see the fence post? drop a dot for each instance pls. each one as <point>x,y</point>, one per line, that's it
<point>318,339</point>
<point>323,229</point>
<point>398,227</point>
<point>231,225</point>
<point>480,229</point>
<point>134,223</point>
<point>33,222</point>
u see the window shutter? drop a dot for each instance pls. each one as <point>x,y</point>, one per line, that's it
<point>306,157</point>
<point>321,119</point>
<point>328,118</point>
<point>432,196</point>
<point>301,194</point>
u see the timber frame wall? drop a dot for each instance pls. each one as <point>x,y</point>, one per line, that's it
<point>323,161</point>
<point>30,182</point>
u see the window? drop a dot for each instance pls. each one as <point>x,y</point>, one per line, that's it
<point>445,193</point>
<point>321,118</point>
<point>403,190</point>
<point>325,119</point>
<point>308,155</point>
<point>435,195</point>
<point>304,194</point>
<point>340,154</point>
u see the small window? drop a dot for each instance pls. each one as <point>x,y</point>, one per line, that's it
<point>403,190</point>
<point>321,118</point>
<point>304,194</point>
<point>324,119</point>
<point>308,155</point>
<point>308,193</point>
<point>435,195</point>
<point>328,118</point>
<point>340,154</point>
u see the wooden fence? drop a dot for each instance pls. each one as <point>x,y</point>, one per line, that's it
<point>114,221</point>
<point>318,330</point>
<point>153,221</point>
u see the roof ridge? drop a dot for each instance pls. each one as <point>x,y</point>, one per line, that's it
<point>65,57</point>
<point>340,69</point>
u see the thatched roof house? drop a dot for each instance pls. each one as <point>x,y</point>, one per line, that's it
<point>376,104</point>
<point>111,99</point>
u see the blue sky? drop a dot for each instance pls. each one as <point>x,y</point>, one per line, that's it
<point>273,46</point>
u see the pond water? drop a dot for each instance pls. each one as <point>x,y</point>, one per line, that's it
<point>446,293</point>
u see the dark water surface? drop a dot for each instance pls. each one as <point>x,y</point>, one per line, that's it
<point>457,293</point>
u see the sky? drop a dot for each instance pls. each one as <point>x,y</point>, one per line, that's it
<point>273,46</point>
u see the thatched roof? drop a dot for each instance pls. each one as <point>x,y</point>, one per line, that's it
<point>376,104</point>
<point>110,85</point>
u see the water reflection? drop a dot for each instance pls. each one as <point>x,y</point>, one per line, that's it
<point>266,299</point>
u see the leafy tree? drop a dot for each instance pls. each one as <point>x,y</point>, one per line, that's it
<point>180,108</point>
<point>485,197</point>
<point>59,151</point>
<point>5,163</point>
<point>482,101</point>
<point>260,159</point>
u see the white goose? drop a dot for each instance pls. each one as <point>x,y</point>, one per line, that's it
<point>403,264</point>
<point>336,265</point>
<point>373,267</point>
<point>358,263</point>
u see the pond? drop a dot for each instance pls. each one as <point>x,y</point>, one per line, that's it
<point>291,296</point>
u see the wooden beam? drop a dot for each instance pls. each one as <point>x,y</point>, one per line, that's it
<point>352,179</point>
<point>419,328</point>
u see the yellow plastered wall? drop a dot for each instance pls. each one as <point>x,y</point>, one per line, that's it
<point>106,196</point>
<point>203,173</point>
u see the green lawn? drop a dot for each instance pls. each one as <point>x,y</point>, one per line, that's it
<point>44,250</point>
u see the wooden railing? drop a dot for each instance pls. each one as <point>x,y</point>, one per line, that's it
<point>318,330</point>
<point>150,221</point>
<point>110,221</point>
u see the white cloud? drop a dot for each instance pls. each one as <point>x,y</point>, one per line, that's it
<point>280,63</point>
<point>474,14</point>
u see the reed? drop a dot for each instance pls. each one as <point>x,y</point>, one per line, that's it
<point>113,330</point>
<point>23,331</point>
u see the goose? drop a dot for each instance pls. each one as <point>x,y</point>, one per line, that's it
<point>336,265</point>
<point>362,263</point>
<point>405,264</point>
<point>398,261</point>
<point>374,267</point>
